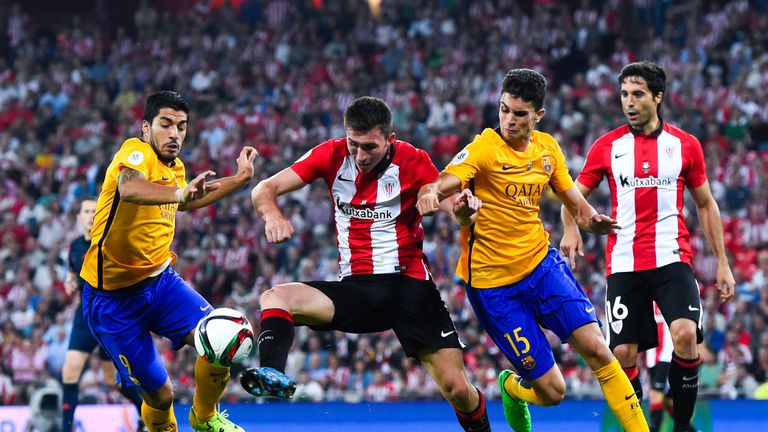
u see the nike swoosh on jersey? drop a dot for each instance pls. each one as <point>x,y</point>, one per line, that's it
<point>343,179</point>
<point>621,155</point>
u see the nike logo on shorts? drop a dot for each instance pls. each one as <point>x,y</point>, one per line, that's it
<point>692,309</point>
<point>204,308</point>
<point>589,310</point>
<point>446,334</point>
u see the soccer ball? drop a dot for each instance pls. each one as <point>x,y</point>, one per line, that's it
<point>223,337</point>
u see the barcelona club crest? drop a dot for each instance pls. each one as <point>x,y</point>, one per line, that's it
<point>528,362</point>
<point>546,163</point>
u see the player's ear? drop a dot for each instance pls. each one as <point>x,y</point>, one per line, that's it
<point>145,126</point>
<point>540,114</point>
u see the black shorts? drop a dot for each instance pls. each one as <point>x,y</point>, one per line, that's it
<point>81,338</point>
<point>411,307</point>
<point>629,303</point>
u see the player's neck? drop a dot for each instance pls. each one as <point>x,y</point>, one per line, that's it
<point>519,145</point>
<point>651,126</point>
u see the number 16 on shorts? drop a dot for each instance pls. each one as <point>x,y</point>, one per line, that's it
<point>616,311</point>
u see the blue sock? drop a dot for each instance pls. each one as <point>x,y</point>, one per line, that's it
<point>68,405</point>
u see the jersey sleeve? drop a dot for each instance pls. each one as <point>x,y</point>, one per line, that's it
<point>314,163</point>
<point>561,179</point>
<point>469,161</point>
<point>594,169</point>
<point>696,171</point>
<point>135,155</point>
<point>425,168</point>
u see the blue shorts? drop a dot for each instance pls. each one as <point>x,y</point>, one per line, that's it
<point>122,321</point>
<point>80,338</point>
<point>549,297</point>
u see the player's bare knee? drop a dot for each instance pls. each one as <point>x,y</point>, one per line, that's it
<point>275,297</point>
<point>684,336</point>
<point>457,391</point>
<point>160,399</point>
<point>626,355</point>
<point>602,355</point>
<point>551,396</point>
<point>70,374</point>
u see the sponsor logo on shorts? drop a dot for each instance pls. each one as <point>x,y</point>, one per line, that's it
<point>446,334</point>
<point>693,309</point>
<point>528,362</point>
<point>590,309</point>
<point>204,308</point>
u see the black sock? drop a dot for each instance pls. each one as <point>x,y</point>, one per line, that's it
<point>684,387</point>
<point>477,420</point>
<point>657,415</point>
<point>68,405</point>
<point>275,338</point>
<point>634,378</point>
<point>133,395</point>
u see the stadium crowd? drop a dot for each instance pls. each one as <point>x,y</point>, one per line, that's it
<point>278,74</point>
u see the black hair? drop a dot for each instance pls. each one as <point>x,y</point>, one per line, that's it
<point>527,84</point>
<point>653,74</point>
<point>366,113</point>
<point>164,99</point>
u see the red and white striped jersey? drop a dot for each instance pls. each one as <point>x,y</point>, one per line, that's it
<point>662,352</point>
<point>647,175</point>
<point>378,229</point>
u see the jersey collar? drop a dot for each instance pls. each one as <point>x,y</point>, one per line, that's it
<point>653,134</point>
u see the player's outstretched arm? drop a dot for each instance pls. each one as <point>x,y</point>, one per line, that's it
<point>135,188</point>
<point>215,190</point>
<point>585,215</point>
<point>264,196</point>
<point>712,225</point>
<point>430,195</point>
<point>572,243</point>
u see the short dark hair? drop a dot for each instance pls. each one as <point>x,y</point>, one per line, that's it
<point>366,113</point>
<point>653,74</point>
<point>164,99</point>
<point>526,84</point>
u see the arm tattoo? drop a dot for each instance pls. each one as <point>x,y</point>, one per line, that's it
<point>128,174</point>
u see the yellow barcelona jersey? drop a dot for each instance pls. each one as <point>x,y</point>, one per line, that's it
<point>129,242</point>
<point>508,239</point>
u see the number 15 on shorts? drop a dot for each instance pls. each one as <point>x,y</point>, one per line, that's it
<point>519,344</point>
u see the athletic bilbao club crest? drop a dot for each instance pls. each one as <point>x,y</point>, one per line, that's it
<point>546,163</point>
<point>670,151</point>
<point>646,167</point>
<point>528,362</point>
<point>389,188</point>
<point>617,326</point>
